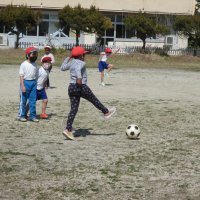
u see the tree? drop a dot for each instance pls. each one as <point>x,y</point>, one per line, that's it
<point>144,26</point>
<point>189,26</point>
<point>197,8</point>
<point>18,19</point>
<point>79,19</point>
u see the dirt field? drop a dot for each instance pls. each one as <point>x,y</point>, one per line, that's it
<point>102,164</point>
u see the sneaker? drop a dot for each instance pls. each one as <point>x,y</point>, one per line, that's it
<point>110,113</point>
<point>34,120</point>
<point>22,119</point>
<point>44,116</point>
<point>107,74</point>
<point>102,84</point>
<point>68,134</point>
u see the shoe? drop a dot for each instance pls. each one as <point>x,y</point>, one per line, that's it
<point>102,84</point>
<point>68,134</point>
<point>107,74</point>
<point>111,112</point>
<point>34,120</point>
<point>22,119</point>
<point>44,116</point>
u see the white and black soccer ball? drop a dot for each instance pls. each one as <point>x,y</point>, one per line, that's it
<point>132,131</point>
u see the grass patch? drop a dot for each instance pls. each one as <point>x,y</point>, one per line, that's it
<point>17,56</point>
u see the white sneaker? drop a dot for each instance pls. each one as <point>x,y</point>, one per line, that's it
<point>107,74</point>
<point>34,120</point>
<point>102,84</point>
<point>22,119</point>
<point>111,112</point>
<point>68,134</point>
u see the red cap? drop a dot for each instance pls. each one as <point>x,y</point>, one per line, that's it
<point>108,50</point>
<point>46,58</point>
<point>78,51</point>
<point>30,50</point>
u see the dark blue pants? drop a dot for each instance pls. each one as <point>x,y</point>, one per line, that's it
<point>75,93</point>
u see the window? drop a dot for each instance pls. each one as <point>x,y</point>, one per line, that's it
<point>120,31</point>
<point>110,32</point>
<point>52,27</point>
<point>112,17</point>
<point>43,28</point>
<point>32,31</point>
<point>120,18</point>
<point>45,16</point>
<point>130,33</point>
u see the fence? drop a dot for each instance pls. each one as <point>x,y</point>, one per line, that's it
<point>95,49</point>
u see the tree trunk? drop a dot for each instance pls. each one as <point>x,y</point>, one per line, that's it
<point>195,52</point>
<point>77,37</point>
<point>17,41</point>
<point>144,44</point>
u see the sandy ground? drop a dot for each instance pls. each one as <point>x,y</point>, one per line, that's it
<point>163,164</point>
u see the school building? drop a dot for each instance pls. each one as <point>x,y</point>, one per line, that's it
<point>47,30</point>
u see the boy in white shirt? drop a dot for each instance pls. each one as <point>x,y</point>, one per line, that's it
<point>28,83</point>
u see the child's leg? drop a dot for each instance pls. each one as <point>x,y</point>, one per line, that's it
<point>102,76</point>
<point>75,100</point>
<point>22,109</point>
<point>32,100</point>
<point>88,94</point>
<point>44,105</point>
<point>27,109</point>
<point>110,66</point>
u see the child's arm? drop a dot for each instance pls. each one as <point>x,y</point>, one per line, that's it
<point>65,65</point>
<point>79,81</point>
<point>78,74</point>
<point>52,59</point>
<point>22,84</point>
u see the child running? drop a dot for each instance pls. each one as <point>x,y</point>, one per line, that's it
<point>78,88</point>
<point>102,65</point>
<point>48,53</point>
<point>28,84</point>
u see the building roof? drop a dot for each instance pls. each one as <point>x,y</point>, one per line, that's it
<point>180,7</point>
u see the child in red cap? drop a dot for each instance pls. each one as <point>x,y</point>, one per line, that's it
<point>78,88</point>
<point>102,65</point>
<point>28,84</point>
<point>43,74</point>
<point>48,53</point>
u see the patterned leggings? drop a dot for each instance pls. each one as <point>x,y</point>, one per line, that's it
<point>75,93</point>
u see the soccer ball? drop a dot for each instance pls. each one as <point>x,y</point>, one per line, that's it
<point>132,131</point>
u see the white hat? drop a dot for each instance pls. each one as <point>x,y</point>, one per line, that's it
<point>47,47</point>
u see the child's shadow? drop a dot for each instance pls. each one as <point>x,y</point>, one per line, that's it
<point>108,84</point>
<point>82,132</point>
<point>86,132</point>
<point>51,87</point>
